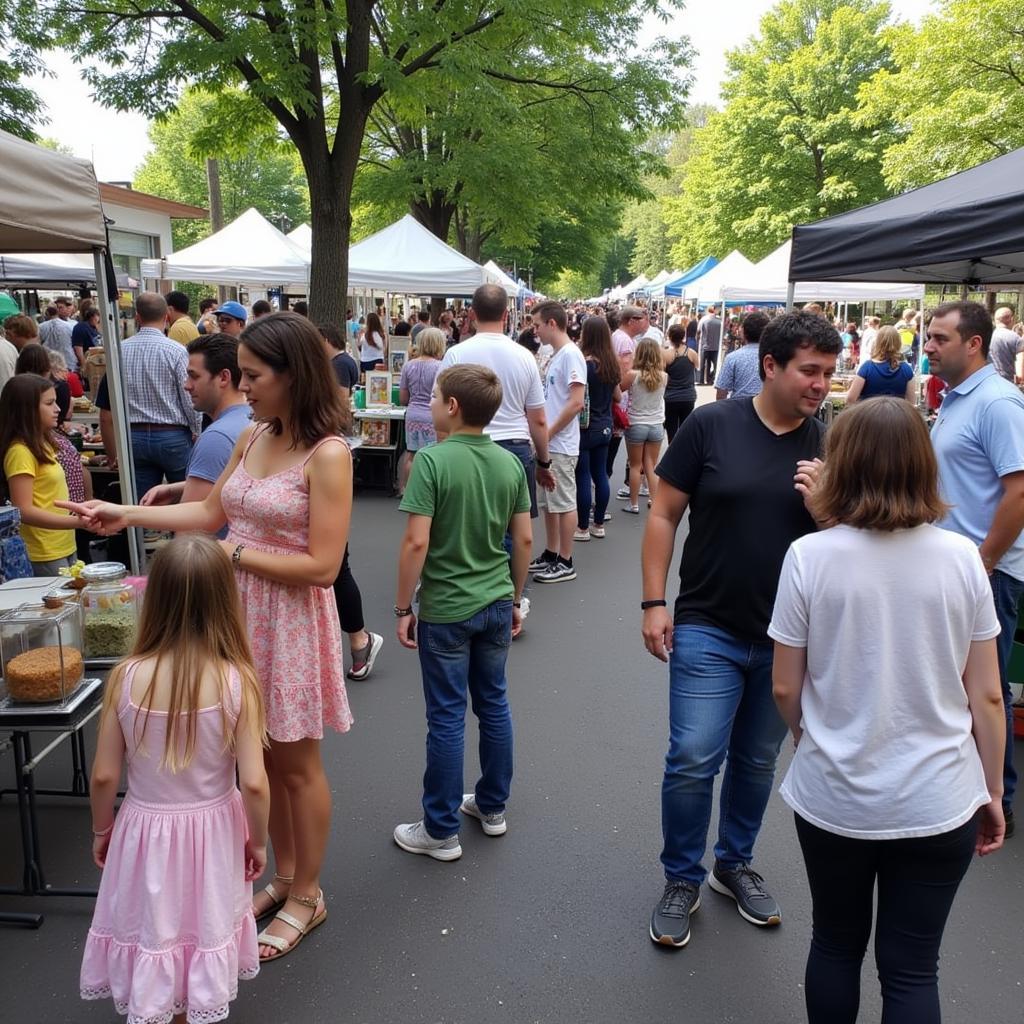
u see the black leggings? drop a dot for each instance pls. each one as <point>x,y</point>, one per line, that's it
<point>675,416</point>
<point>917,881</point>
<point>348,598</point>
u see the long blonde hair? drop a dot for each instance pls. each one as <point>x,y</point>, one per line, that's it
<point>888,347</point>
<point>647,362</point>
<point>192,619</point>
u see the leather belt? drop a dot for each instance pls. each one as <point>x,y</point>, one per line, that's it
<point>158,426</point>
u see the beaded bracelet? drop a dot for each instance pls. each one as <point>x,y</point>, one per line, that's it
<point>105,832</point>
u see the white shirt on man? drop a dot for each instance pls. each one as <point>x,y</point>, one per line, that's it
<point>867,346</point>
<point>887,750</point>
<point>567,369</point>
<point>520,382</point>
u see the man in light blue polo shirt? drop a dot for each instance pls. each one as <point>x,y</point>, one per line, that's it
<point>979,444</point>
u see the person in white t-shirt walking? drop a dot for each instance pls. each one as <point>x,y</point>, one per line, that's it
<point>633,323</point>
<point>897,779</point>
<point>565,388</point>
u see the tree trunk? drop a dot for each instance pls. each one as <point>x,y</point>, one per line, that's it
<point>435,213</point>
<point>216,209</point>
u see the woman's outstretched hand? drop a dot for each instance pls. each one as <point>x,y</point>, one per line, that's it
<point>98,516</point>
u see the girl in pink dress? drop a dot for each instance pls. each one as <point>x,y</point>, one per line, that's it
<point>173,929</point>
<point>286,496</point>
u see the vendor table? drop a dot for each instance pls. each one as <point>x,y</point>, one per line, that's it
<point>67,722</point>
<point>395,417</point>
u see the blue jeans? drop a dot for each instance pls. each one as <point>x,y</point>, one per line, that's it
<point>160,453</point>
<point>592,471</point>
<point>1007,591</point>
<point>456,657</point>
<point>720,701</point>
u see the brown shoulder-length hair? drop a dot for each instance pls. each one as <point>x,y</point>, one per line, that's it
<point>289,343</point>
<point>19,416</point>
<point>880,471</point>
<point>596,344</point>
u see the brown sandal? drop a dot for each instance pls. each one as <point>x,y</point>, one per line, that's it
<point>276,901</point>
<point>283,946</point>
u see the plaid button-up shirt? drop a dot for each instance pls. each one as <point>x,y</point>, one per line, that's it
<point>154,371</point>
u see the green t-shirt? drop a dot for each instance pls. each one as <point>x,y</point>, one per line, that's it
<point>471,488</point>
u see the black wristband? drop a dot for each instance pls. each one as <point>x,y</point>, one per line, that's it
<point>543,464</point>
<point>517,604</point>
<point>400,613</point>
<point>659,603</point>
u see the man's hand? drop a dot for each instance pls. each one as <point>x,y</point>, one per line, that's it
<point>517,621</point>
<point>657,630</point>
<point>405,630</point>
<point>806,478</point>
<point>162,494</point>
<point>546,479</point>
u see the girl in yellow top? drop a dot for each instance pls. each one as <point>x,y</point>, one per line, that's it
<point>35,481</point>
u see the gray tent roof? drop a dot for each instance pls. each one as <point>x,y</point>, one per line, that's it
<point>968,228</point>
<point>49,202</point>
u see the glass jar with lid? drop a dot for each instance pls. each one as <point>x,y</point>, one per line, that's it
<point>41,651</point>
<point>109,610</point>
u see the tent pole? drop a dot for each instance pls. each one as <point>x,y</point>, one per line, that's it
<point>118,403</point>
<point>790,293</point>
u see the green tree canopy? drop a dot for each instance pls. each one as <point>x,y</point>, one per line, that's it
<point>22,112</point>
<point>788,147</point>
<point>955,95</point>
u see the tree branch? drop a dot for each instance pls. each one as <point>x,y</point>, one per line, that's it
<point>425,59</point>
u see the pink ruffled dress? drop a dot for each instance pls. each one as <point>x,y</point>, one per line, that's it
<point>294,632</point>
<point>173,929</point>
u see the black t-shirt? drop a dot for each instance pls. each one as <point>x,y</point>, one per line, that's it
<point>600,394</point>
<point>682,383</point>
<point>345,370</point>
<point>744,513</point>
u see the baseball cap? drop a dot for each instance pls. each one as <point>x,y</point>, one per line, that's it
<point>231,308</point>
<point>631,312</point>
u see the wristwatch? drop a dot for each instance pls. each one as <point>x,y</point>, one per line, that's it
<point>400,613</point>
<point>544,465</point>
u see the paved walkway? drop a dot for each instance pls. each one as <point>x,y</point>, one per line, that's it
<point>548,923</point>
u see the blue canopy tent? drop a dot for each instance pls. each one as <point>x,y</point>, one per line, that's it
<point>677,284</point>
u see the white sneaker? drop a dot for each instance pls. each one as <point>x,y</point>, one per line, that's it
<point>622,492</point>
<point>581,536</point>
<point>597,531</point>
<point>493,824</point>
<point>414,838</point>
<point>644,492</point>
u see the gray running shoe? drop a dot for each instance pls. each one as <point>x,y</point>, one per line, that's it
<point>414,838</point>
<point>746,887</point>
<point>670,921</point>
<point>493,824</point>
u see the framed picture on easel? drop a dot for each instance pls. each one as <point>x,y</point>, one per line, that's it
<point>378,389</point>
<point>396,360</point>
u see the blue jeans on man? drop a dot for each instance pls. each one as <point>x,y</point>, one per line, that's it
<point>159,453</point>
<point>457,658</point>
<point>523,451</point>
<point>1007,592</point>
<point>720,708</point>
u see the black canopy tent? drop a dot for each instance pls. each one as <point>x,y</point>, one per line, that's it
<point>967,229</point>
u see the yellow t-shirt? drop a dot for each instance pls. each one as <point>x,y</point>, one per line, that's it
<point>183,330</point>
<point>48,485</point>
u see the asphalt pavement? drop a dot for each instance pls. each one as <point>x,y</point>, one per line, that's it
<point>549,922</point>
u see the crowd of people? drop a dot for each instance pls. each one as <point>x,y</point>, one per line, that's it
<point>900,774</point>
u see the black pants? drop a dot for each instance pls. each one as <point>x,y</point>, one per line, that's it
<point>348,598</point>
<point>675,416</point>
<point>708,366</point>
<point>613,449</point>
<point>917,881</point>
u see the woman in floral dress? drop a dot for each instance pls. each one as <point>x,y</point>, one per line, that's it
<point>286,497</point>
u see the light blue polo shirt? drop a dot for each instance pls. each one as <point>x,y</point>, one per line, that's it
<point>978,438</point>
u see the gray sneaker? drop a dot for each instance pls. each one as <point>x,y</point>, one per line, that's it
<point>493,824</point>
<point>414,838</point>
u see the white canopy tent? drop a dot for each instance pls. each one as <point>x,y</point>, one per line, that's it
<point>249,251</point>
<point>49,203</point>
<point>302,236</point>
<point>659,279</point>
<point>52,270</point>
<point>708,287</point>
<point>406,258</point>
<point>512,287</point>
<point>768,283</point>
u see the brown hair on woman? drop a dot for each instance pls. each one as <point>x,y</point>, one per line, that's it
<point>596,344</point>
<point>880,471</point>
<point>289,343</point>
<point>19,416</point>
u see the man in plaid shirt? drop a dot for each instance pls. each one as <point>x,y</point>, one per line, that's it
<point>163,421</point>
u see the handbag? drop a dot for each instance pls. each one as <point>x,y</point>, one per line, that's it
<point>14,560</point>
<point>620,417</point>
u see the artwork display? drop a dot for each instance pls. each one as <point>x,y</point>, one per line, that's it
<point>378,389</point>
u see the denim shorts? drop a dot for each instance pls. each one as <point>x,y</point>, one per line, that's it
<point>644,433</point>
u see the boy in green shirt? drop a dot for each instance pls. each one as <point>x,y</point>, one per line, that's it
<point>462,497</point>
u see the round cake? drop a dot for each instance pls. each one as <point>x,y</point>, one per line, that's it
<point>36,675</point>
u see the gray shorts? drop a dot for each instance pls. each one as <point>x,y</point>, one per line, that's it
<point>563,497</point>
<point>645,433</point>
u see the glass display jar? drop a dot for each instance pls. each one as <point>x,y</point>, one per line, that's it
<point>41,651</point>
<point>109,610</point>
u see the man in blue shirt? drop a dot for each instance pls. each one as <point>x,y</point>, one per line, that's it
<point>979,444</point>
<point>740,375</point>
<point>212,383</point>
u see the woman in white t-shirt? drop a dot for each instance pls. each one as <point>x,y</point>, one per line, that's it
<point>886,673</point>
<point>374,343</point>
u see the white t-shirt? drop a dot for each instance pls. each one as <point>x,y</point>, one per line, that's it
<point>8,361</point>
<point>867,346</point>
<point>520,380</point>
<point>654,332</point>
<point>373,347</point>
<point>887,620</point>
<point>566,369</point>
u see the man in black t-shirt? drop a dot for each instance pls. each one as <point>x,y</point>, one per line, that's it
<point>743,469</point>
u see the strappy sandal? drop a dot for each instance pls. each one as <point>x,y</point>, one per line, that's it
<point>283,946</point>
<point>276,901</point>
